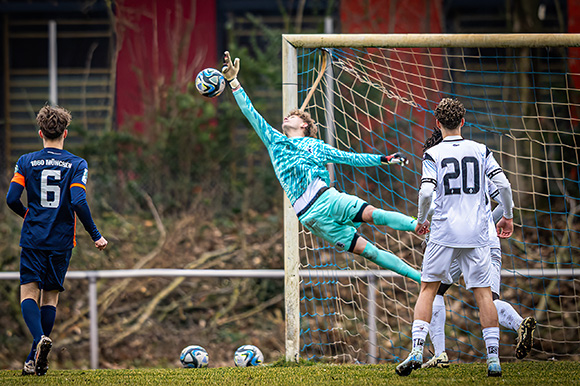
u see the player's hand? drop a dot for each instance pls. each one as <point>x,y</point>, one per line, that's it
<point>422,229</point>
<point>505,228</point>
<point>230,69</point>
<point>394,159</point>
<point>101,243</point>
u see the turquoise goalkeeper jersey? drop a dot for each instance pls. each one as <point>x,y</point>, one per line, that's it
<point>298,161</point>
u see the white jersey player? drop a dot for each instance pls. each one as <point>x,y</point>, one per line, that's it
<point>507,315</point>
<point>456,169</point>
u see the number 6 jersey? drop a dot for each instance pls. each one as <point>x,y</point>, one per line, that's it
<point>457,168</point>
<point>49,176</point>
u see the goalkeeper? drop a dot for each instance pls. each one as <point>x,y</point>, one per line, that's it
<point>300,160</point>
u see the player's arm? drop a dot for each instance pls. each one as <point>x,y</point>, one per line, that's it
<point>497,212</point>
<point>333,155</point>
<point>15,190</point>
<point>428,184</point>
<point>264,130</point>
<point>81,206</point>
<point>13,199</point>
<point>505,226</point>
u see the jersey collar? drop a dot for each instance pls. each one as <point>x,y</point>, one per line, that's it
<point>453,138</point>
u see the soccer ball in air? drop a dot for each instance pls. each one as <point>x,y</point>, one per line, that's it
<point>194,357</point>
<point>248,355</point>
<point>210,82</point>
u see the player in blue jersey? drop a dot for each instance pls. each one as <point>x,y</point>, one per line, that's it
<point>55,182</point>
<point>300,160</point>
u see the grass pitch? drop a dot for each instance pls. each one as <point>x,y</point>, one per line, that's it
<point>520,373</point>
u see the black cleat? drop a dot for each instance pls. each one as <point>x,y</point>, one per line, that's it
<point>41,358</point>
<point>525,337</point>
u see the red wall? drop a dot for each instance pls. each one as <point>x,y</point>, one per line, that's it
<point>413,75</point>
<point>162,44</point>
<point>574,53</point>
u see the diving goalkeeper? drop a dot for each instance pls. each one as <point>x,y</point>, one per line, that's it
<point>300,160</point>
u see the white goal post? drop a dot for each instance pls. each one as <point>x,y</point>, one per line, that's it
<point>290,87</point>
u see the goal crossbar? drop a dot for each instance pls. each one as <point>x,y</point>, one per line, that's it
<point>432,40</point>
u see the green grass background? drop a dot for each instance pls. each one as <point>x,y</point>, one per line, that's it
<point>520,373</point>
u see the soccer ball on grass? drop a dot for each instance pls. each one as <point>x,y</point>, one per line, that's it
<point>248,355</point>
<point>194,357</point>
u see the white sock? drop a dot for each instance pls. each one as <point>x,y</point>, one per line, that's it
<point>437,326</point>
<point>491,337</point>
<point>508,317</point>
<point>420,330</point>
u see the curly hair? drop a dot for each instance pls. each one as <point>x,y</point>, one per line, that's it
<point>312,129</point>
<point>433,140</point>
<point>52,121</point>
<point>449,113</point>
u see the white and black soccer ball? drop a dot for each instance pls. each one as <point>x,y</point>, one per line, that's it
<point>210,82</point>
<point>194,357</point>
<point>248,355</point>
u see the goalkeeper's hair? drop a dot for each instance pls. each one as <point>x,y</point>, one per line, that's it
<point>449,113</point>
<point>433,140</point>
<point>311,130</point>
<point>52,121</point>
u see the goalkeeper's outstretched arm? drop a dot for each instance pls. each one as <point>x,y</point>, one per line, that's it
<point>264,130</point>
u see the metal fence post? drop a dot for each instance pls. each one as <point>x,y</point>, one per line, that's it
<point>372,310</point>
<point>93,319</point>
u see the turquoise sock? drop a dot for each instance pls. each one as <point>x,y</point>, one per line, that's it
<point>391,262</point>
<point>395,220</point>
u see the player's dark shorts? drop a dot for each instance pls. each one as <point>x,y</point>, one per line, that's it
<point>47,268</point>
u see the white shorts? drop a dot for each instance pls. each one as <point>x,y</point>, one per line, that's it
<point>475,263</point>
<point>455,270</point>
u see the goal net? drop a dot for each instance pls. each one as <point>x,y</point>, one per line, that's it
<point>377,95</point>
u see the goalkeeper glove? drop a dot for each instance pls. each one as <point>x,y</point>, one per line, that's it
<point>393,159</point>
<point>230,70</point>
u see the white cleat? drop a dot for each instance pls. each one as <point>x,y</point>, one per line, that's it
<point>28,368</point>
<point>439,361</point>
<point>413,362</point>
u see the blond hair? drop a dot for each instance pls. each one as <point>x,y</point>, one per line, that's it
<point>312,129</point>
<point>52,121</point>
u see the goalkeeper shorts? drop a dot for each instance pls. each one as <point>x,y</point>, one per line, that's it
<point>331,217</point>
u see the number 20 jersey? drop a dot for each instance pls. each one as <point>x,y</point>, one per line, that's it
<point>457,167</point>
<point>48,176</point>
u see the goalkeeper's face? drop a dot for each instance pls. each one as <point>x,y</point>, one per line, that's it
<point>294,126</point>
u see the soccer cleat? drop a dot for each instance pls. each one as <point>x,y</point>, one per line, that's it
<point>41,359</point>
<point>28,368</point>
<point>525,337</point>
<point>493,367</point>
<point>413,362</point>
<point>441,361</point>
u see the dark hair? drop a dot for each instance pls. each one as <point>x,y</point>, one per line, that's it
<point>449,113</point>
<point>52,121</point>
<point>433,140</point>
<point>311,130</point>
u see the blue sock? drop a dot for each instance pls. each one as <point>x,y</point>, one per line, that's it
<point>395,220</point>
<point>391,262</point>
<point>32,353</point>
<point>47,317</point>
<point>31,314</point>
